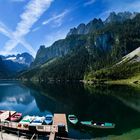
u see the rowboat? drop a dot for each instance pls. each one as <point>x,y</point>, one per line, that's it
<point>37,121</point>
<point>102,125</point>
<point>73,119</point>
<point>15,117</point>
<point>26,121</point>
<point>48,119</point>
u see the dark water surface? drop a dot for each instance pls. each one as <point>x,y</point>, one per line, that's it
<point>118,104</point>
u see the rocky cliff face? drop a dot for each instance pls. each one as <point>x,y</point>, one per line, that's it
<point>132,57</point>
<point>76,37</point>
<point>12,64</point>
<point>96,24</point>
<point>96,34</point>
<point>58,49</point>
<point>83,29</point>
<point>120,17</point>
<point>104,41</point>
<point>24,58</point>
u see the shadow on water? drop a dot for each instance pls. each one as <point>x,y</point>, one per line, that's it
<point>118,104</point>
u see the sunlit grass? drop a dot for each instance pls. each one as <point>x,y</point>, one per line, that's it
<point>133,81</point>
<point>132,135</point>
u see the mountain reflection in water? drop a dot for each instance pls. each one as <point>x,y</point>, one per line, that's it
<point>118,104</point>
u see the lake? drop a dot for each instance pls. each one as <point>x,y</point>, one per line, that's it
<point>117,104</point>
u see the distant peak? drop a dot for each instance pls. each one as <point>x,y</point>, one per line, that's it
<point>86,28</point>
<point>23,58</point>
<point>81,25</point>
<point>96,20</point>
<point>120,16</point>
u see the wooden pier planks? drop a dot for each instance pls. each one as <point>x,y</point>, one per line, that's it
<point>52,136</point>
<point>57,120</point>
<point>60,119</point>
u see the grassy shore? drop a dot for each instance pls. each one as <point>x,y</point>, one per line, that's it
<point>133,81</point>
<point>132,135</point>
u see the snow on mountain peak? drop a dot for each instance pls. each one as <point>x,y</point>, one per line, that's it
<point>23,58</point>
<point>11,58</point>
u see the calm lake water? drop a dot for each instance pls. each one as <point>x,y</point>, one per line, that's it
<point>118,104</point>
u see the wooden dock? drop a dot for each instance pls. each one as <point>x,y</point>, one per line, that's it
<point>58,126</point>
<point>59,119</point>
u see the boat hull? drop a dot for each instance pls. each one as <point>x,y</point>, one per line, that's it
<point>72,119</point>
<point>37,121</point>
<point>95,125</point>
<point>48,119</point>
<point>16,117</point>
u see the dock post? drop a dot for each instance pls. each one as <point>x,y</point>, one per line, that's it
<point>36,136</point>
<point>52,136</point>
<point>18,134</point>
<point>1,133</point>
<point>1,128</point>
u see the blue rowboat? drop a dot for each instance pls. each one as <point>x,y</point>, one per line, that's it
<point>48,119</point>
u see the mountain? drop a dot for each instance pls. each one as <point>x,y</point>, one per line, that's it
<point>24,58</point>
<point>103,32</point>
<point>13,64</point>
<point>82,29</point>
<point>87,49</point>
<point>2,69</point>
<point>120,17</point>
<point>127,68</point>
<point>58,49</point>
<point>96,24</point>
<point>132,57</point>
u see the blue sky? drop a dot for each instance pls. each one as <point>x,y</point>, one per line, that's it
<point>26,24</point>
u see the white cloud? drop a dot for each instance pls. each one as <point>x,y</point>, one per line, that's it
<point>58,19</point>
<point>89,2</point>
<point>7,32</point>
<point>4,30</point>
<point>32,13</point>
<point>27,46</point>
<point>36,29</point>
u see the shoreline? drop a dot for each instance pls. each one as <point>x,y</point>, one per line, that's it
<point>134,81</point>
